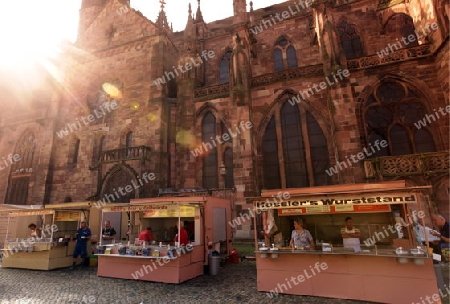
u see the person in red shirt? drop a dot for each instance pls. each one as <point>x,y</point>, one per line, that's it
<point>183,239</point>
<point>146,235</point>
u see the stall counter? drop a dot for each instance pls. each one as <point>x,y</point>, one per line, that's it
<point>366,277</point>
<point>163,269</point>
<point>48,259</point>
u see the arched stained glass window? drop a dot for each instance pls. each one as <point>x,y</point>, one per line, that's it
<point>391,114</point>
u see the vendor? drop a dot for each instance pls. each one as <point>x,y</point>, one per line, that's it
<point>350,235</point>
<point>108,234</point>
<point>183,239</point>
<point>444,231</point>
<point>34,232</point>
<point>146,235</point>
<point>301,237</point>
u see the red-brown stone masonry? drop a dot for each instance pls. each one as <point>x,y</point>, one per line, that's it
<point>443,75</point>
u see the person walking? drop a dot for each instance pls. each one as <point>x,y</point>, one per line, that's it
<point>83,235</point>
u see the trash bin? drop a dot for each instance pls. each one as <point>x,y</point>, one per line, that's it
<point>214,263</point>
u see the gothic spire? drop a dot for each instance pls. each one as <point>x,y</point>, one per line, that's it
<point>162,18</point>
<point>199,16</point>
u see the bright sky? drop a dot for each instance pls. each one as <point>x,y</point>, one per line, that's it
<point>30,30</point>
<point>38,25</point>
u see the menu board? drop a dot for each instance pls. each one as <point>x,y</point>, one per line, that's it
<point>334,209</point>
<point>27,213</point>
<point>65,216</point>
<point>183,211</point>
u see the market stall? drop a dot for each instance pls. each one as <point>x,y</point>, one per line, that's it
<point>53,246</point>
<point>164,259</point>
<point>68,217</point>
<point>391,264</point>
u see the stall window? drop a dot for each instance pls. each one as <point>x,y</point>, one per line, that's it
<point>393,113</point>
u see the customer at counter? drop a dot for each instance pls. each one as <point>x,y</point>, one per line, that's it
<point>350,235</point>
<point>34,232</point>
<point>108,234</point>
<point>301,238</point>
<point>444,231</point>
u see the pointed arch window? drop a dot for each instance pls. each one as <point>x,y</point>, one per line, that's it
<point>210,162</point>
<point>74,149</point>
<point>291,56</point>
<point>225,67</point>
<point>271,166</point>
<point>350,40</point>
<point>19,178</point>
<point>278,60</point>
<point>401,26</point>
<point>228,161</point>
<point>304,150</point>
<point>216,153</point>
<point>98,148</point>
<point>391,114</point>
<point>284,55</point>
<point>129,139</point>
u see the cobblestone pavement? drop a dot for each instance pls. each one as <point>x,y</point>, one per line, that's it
<point>235,283</point>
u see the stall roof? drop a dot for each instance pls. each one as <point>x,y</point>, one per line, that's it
<point>72,205</point>
<point>297,194</point>
<point>177,199</point>
<point>8,207</point>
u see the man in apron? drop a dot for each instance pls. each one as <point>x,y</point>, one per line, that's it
<point>350,235</point>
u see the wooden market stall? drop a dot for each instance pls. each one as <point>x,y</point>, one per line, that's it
<point>53,249</point>
<point>163,260</point>
<point>389,270</point>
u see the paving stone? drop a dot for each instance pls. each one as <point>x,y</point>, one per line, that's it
<point>235,283</point>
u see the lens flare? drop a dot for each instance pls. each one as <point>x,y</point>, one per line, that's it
<point>186,139</point>
<point>111,90</point>
<point>135,106</point>
<point>151,117</point>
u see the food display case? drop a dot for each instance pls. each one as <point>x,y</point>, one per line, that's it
<point>392,266</point>
<point>164,259</point>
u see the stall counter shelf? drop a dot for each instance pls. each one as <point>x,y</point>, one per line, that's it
<point>165,269</point>
<point>380,277</point>
<point>40,256</point>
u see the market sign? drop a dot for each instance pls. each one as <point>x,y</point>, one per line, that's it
<point>27,213</point>
<point>140,208</point>
<point>341,201</point>
<point>334,209</point>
